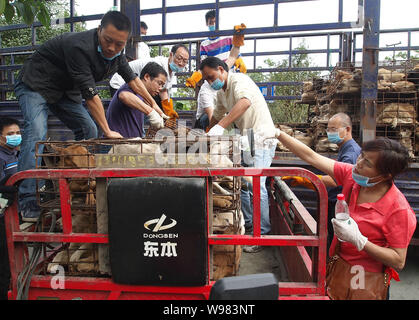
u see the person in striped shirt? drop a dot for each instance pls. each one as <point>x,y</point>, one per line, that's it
<point>228,50</point>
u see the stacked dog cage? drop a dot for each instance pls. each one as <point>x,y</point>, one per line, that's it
<point>397,103</point>
<point>341,92</point>
<point>226,217</point>
<point>84,259</point>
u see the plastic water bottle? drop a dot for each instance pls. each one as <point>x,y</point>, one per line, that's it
<point>341,208</point>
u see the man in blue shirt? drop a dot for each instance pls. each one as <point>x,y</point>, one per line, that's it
<point>339,131</point>
<point>126,110</point>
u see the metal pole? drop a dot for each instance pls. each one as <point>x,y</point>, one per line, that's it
<point>131,8</point>
<point>370,70</point>
<point>72,15</point>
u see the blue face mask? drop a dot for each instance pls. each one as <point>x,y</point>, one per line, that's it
<point>363,181</point>
<point>14,140</point>
<point>217,84</point>
<point>333,137</point>
<point>99,49</point>
<point>211,28</point>
<point>175,68</point>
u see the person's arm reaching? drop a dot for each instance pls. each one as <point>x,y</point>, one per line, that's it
<point>217,127</point>
<point>138,87</point>
<point>209,111</point>
<point>132,101</point>
<point>239,108</point>
<point>306,154</point>
<point>234,54</point>
<point>96,109</point>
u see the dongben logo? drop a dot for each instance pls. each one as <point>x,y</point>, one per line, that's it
<point>159,224</point>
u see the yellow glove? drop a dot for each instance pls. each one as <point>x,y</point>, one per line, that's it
<point>239,65</point>
<point>194,79</point>
<point>168,108</point>
<point>238,37</point>
<point>296,181</point>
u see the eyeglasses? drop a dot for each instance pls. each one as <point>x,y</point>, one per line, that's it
<point>361,158</point>
<point>180,59</point>
<point>160,83</point>
<point>333,129</point>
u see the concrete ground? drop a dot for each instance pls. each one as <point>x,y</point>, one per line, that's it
<point>408,287</point>
<point>267,261</point>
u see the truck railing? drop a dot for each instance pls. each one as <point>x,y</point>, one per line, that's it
<point>102,288</point>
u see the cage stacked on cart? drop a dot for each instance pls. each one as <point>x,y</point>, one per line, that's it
<point>397,103</point>
<point>85,202</point>
<point>340,92</point>
<point>226,217</point>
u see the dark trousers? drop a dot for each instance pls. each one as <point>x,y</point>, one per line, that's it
<point>202,122</point>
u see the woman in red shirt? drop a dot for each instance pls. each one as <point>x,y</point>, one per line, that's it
<point>381,224</point>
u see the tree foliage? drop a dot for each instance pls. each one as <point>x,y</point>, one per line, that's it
<point>23,37</point>
<point>27,10</point>
<point>288,111</point>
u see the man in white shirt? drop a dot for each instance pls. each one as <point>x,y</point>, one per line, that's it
<point>178,59</point>
<point>205,106</point>
<point>240,101</point>
<point>143,51</point>
<point>228,50</point>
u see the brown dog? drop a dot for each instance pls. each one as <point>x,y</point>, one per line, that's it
<point>77,156</point>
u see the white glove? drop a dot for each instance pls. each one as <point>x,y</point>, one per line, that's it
<point>277,132</point>
<point>216,130</point>
<point>347,230</point>
<point>155,120</point>
<point>165,117</point>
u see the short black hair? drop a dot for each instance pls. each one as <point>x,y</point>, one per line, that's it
<point>209,15</point>
<point>143,25</point>
<point>6,121</point>
<point>153,69</point>
<point>177,46</point>
<point>393,157</point>
<point>213,63</point>
<point>117,19</point>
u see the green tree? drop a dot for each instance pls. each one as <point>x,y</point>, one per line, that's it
<point>23,37</point>
<point>288,111</point>
<point>27,10</point>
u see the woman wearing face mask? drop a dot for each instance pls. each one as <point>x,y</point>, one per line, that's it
<point>381,224</point>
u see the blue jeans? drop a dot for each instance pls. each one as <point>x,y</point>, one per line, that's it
<point>202,122</point>
<point>262,159</point>
<point>35,111</point>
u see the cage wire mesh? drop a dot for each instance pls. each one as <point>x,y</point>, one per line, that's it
<point>81,259</point>
<point>340,91</point>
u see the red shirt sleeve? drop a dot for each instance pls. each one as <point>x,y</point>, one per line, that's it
<point>342,172</point>
<point>399,228</point>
